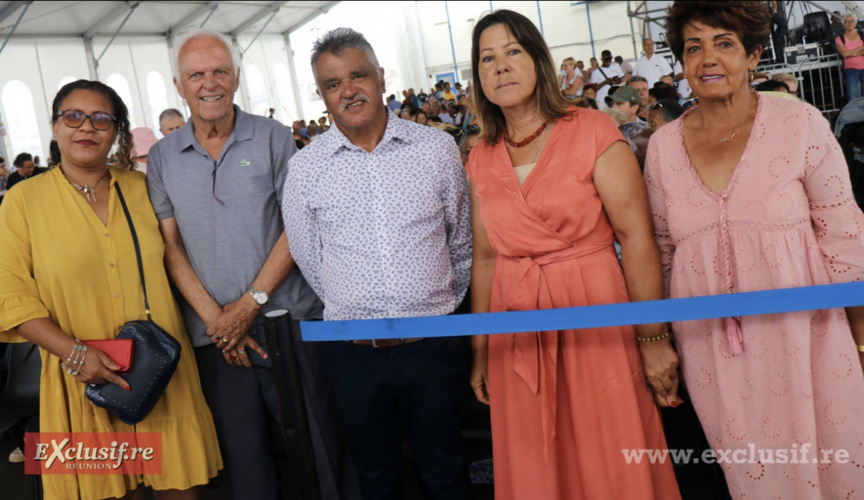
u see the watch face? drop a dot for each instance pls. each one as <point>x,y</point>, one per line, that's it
<point>260,297</point>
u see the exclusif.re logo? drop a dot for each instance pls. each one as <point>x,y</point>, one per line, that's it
<point>93,453</point>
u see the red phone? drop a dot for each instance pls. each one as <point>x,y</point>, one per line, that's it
<point>120,351</point>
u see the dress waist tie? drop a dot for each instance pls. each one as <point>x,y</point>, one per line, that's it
<point>534,355</point>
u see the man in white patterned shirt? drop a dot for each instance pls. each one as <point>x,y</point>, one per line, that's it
<point>377,213</point>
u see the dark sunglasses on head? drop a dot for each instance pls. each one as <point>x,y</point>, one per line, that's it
<point>74,119</point>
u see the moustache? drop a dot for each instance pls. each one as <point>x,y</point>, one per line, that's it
<point>352,100</point>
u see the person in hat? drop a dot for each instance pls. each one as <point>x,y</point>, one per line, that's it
<point>607,74</point>
<point>626,100</point>
<point>142,140</point>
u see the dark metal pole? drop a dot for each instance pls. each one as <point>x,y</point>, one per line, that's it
<point>302,474</point>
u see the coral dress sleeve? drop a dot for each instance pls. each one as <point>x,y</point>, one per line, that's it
<point>19,297</point>
<point>837,219</point>
<point>605,134</point>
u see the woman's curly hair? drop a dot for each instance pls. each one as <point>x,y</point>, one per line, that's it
<point>750,20</point>
<point>118,110</point>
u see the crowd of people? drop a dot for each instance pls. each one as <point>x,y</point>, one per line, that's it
<point>375,211</point>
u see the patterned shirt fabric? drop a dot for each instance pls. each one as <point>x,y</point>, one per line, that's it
<point>383,234</point>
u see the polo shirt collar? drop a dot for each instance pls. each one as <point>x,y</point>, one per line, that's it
<point>243,130</point>
<point>397,129</point>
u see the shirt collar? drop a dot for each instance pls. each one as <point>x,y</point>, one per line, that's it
<point>397,129</point>
<point>243,130</point>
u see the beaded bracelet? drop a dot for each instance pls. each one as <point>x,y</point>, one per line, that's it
<point>73,366</point>
<point>74,350</point>
<point>79,362</point>
<point>652,339</point>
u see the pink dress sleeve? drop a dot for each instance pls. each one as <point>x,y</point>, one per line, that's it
<point>659,210</point>
<point>836,217</point>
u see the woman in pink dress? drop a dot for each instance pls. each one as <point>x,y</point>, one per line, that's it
<point>850,46</point>
<point>750,193</point>
<point>552,186</point>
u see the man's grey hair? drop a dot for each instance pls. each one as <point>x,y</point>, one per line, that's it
<point>168,114</point>
<point>637,79</point>
<point>198,34</point>
<point>339,39</point>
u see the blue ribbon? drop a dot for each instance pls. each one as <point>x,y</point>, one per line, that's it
<point>572,318</point>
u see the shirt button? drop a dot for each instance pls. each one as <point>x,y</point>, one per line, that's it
<point>117,295</point>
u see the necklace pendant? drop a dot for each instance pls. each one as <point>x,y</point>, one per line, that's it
<point>89,193</point>
<point>728,139</point>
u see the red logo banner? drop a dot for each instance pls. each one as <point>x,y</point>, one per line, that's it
<point>93,453</point>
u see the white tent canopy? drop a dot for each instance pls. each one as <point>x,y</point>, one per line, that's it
<point>44,45</point>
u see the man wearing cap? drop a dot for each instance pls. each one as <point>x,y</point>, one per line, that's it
<point>607,74</point>
<point>651,66</point>
<point>626,100</point>
<point>636,131</point>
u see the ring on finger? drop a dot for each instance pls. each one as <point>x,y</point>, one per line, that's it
<point>224,340</point>
<point>241,351</point>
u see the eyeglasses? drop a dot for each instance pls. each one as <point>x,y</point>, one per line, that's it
<point>656,105</point>
<point>74,119</point>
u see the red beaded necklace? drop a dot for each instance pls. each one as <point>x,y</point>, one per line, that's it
<point>527,140</point>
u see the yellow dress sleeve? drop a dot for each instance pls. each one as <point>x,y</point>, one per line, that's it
<point>19,297</point>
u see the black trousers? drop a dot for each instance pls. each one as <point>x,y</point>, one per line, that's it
<point>243,402</point>
<point>419,386</point>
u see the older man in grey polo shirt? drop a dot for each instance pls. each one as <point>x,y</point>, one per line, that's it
<point>216,187</point>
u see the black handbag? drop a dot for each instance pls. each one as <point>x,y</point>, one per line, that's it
<point>156,356</point>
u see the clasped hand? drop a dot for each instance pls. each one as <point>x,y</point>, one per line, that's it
<point>230,333</point>
<point>661,371</point>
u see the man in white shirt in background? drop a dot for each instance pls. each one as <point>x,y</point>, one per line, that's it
<point>651,66</point>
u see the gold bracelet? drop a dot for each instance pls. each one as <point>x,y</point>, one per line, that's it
<point>665,335</point>
<point>860,348</point>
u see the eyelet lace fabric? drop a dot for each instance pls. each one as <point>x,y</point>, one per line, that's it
<point>787,219</point>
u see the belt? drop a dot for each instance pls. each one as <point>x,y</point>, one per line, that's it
<point>386,342</point>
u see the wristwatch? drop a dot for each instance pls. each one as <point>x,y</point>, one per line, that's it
<point>260,297</point>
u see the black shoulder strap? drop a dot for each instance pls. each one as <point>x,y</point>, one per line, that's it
<point>603,72</point>
<point>137,248</point>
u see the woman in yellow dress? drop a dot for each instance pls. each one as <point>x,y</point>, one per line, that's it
<point>69,272</point>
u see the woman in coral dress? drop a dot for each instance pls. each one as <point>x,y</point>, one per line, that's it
<point>565,405</point>
<point>752,193</point>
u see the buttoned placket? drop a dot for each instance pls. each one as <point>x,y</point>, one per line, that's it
<point>382,222</point>
<point>109,250</point>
